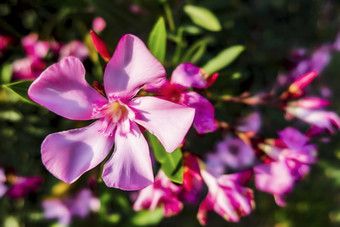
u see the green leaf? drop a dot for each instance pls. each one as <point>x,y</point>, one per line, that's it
<point>147,217</point>
<point>6,73</point>
<point>223,59</point>
<point>20,88</point>
<point>196,51</point>
<point>157,40</point>
<point>203,17</point>
<point>171,163</point>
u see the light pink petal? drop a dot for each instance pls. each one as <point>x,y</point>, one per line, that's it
<point>131,67</point>
<point>62,89</point>
<point>204,121</point>
<point>69,154</point>
<point>57,209</point>
<point>129,168</point>
<point>144,198</point>
<point>187,75</point>
<point>74,48</point>
<point>293,138</point>
<point>274,178</point>
<point>80,205</point>
<point>168,121</point>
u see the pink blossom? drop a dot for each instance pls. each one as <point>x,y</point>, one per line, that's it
<point>34,47</point>
<point>98,24</point>
<point>291,157</point>
<point>22,186</point>
<point>308,111</point>
<point>234,153</point>
<point>64,209</point>
<point>186,76</point>
<point>3,187</point>
<point>27,68</point>
<point>74,48</point>
<point>161,193</point>
<point>250,124</point>
<point>226,196</point>
<point>62,88</point>
<point>5,41</point>
<point>192,179</point>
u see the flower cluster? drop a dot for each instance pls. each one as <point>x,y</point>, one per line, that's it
<point>137,96</point>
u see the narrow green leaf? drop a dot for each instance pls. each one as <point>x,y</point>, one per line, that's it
<point>203,17</point>
<point>196,51</point>
<point>20,88</point>
<point>223,59</point>
<point>147,217</point>
<point>157,40</point>
<point>171,163</point>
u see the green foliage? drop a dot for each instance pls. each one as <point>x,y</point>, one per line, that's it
<point>203,17</point>
<point>223,59</point>
<point>157,40</point>
<point>147,217</point>
<point>171,163</point>
<point>20,88</point>
<point>6,73</point>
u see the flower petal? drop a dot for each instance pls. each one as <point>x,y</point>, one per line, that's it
<point>67,155</point>
<point>129,168</point>
<point>62,89</point>
<point>204,121</point>
<point>131,67</point>
<point>187,75</point>
<point>168,121</point>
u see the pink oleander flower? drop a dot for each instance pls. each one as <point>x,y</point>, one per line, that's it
<point>250,124</point>
<point>98,24</point>
<point>62,89</point>
<point>100,46</point>
<point>291,156</point>
<point>5,41</point>
<point>234,153</point>
<point>308,110</point>
<point>192,179</point>
<point>34,47</point>
<point>74,48</point>
<point>27,68</point>
<point>33,64</point>
<point>64,209</point>
<point>227,196</point>
<point>186,76</point>
<point>3,187</point>
<point>23,186</point>
<point>161,193</point>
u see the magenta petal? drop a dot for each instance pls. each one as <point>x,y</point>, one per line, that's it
<point>168,121</point>
<point>187,75</point>
<point>129,168</point>
<point>62,89</point>
<point>131,67</point>
<point>69,154</point>
<point>204,116</point>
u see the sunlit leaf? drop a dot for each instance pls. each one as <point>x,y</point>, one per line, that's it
<point>147,217</point>
<point>20,88</point>
<point>223,59</point>
<point>203,17</point>
<point>157,40</point>
<point>196,51</point>
<point>171,163</point>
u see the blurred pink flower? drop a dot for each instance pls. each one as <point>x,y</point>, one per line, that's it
<point>64,209</point>
<point>63,89</point>
<point>186,76</point>
<point>3,187</point>
<point>291,157</point>
<point>34,47</point>
<point>98,24</point>
<point>250,124</point>
<point>227,196</point>
<point>161,193</point>
<point>74,48</point>
<point>22,186</point>
<point>27,68</point>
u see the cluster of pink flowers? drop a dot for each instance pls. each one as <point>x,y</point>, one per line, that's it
<point>137,96</point>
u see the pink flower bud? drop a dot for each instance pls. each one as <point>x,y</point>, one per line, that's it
<point>100,46</point>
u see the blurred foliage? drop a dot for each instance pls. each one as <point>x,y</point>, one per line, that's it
<point>197,31</point>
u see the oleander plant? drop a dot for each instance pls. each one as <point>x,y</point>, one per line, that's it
<point>169,113</point>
